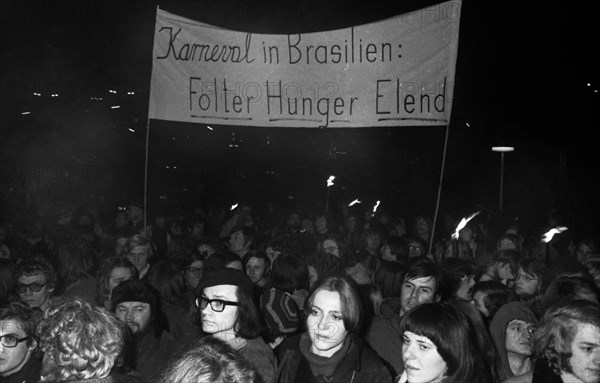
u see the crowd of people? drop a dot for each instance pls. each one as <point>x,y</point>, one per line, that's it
<point>101,295</point>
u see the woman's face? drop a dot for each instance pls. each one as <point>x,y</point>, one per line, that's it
<point>325,323</point>
<point>422,362</point>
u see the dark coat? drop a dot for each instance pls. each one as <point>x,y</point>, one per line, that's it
<point>359,365</point>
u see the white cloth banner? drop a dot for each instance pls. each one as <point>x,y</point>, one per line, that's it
<point>396,72</point>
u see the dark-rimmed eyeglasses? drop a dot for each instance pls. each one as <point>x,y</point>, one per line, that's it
<point>216,305</point>
<point>35,287</point>
<point>11,340</point>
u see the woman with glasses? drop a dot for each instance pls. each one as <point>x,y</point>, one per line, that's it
<point>20,355</point>
<point>224,308</point>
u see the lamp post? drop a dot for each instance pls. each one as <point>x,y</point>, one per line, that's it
<point>502,150</point>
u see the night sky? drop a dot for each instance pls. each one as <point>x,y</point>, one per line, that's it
<point>522,77</point>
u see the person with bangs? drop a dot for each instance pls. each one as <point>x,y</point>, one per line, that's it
<point>440,346</point>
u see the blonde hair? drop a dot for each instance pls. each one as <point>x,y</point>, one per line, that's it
<point>80,341</point>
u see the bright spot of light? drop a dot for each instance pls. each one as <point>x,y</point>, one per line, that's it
<point>115,107</point>
<point>26,113</point>
<point>209,128</point>
<point>131,130</point>
<point>234,206</point>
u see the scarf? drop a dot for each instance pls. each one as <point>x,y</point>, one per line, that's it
<point>321,365</point>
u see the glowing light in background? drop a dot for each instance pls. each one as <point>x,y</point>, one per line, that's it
<point>547,237</point>
<point>463,222</point>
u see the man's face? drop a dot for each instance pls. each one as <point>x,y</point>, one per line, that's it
<point>137,315</point>
<point>139,257</point>
<point>585,349</point>
<point>294,221</point>
<point>214,322</point>
<point>256,269</point>
<point>526,284</point>
<point>193,273</point>
<point>465,291</point>
<point>415,292</point>
<point>236,241</point>
<point>12,359</point>
<point>518,337</point>
<point>373,242</point>
<point>478,302</point>
<point>33,282</point>
<point>321,225</point>
<point>415,249</point>
<point>583,253</point>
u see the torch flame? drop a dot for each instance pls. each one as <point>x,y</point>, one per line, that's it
<point>547,237</point>
<point>233,207</point>
<point>376,206</point>
<point>354,202</point>
<point>330,181</point>
<point>463,222</point>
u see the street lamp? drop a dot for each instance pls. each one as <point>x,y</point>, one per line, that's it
<point>502,150</point>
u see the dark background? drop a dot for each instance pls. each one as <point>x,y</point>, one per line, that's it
<point>522,78</point>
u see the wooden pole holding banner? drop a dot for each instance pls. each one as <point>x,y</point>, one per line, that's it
<point>439,195</point>
<point>146,174</point>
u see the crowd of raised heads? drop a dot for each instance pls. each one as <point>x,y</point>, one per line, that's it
<point>102,295</point>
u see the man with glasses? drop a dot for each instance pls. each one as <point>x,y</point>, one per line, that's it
<point>528,283</point>
<point>137,304</point>
<point>225,309</point>
<point>36,280</point>
<point>20,356</point>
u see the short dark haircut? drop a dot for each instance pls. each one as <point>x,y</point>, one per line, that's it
<point>510,256</point>
<point>454,270</point>
<point>398,247</point>
<point>389,278</point>
<point>350,303</point>
<point>496,295</point>
<point>258,255</point>
<point>290,272</point>
<point>220,260</point>
<point>36,266</point>
<point>423,267</point>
